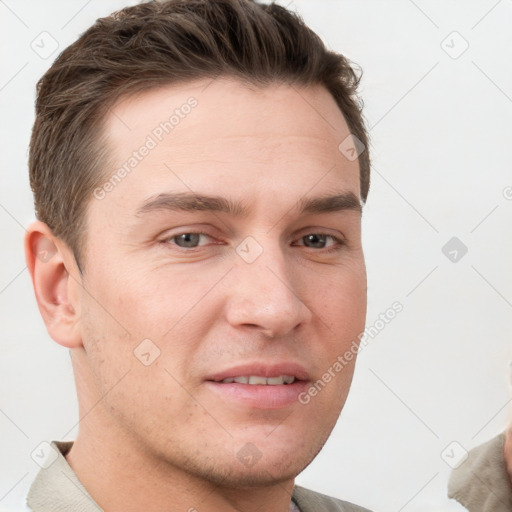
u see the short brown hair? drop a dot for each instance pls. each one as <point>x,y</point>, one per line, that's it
<point>155,43</point>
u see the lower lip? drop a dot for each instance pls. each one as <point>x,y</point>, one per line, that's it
<point>259,396</point>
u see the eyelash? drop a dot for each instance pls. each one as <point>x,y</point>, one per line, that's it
<point>339,243</point>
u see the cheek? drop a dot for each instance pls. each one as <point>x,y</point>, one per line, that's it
<point>344,312</point>
<point>343,302</point>
<point>144,304</point>
<point>135,319</point>
<point>137,379</point>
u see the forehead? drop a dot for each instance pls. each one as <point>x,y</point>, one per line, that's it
<point>222,133</point>
<point>224,101</point>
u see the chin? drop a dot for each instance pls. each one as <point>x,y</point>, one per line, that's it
<point>262,474</point>
<point>247,467</point>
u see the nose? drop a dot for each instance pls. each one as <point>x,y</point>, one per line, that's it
<point>265,295</point>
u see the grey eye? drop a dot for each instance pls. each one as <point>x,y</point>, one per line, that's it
<point>187,239</point>
<point>315,241</point>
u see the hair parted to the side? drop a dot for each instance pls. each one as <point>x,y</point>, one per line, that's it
<point>157,43</point>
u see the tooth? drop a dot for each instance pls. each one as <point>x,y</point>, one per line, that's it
<point>257,380</point>
<point>262,381</point>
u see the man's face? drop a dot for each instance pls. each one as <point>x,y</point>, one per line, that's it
<point>272,287</point>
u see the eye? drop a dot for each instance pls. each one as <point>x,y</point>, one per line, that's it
<point>319,241</point>
<point>188,240</point>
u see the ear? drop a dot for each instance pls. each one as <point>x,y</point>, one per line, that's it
<point>56,280</point>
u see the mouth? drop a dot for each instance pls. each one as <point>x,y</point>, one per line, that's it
<point>256,380</point>
<point>260,386</point>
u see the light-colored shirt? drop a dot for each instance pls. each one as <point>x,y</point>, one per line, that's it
<point>482,483</point>
<point>56,488</point>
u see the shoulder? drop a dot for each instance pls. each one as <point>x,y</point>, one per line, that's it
<point>481,481</point>
<point>310,501</point>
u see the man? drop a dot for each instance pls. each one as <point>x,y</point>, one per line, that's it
<point>199,170</point>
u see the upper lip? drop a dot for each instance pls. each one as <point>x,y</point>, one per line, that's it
<point>262,369</point>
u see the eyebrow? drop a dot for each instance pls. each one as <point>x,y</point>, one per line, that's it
<point>190,202</point>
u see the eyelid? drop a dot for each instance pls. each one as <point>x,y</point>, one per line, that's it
<point>319,230</point>
<point>200,229</point>
<point>338,238</point>
<point>338,244</point>
<point>167,239</point>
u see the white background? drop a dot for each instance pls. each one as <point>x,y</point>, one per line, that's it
<point>441,135</point>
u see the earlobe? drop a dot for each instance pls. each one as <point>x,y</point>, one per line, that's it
<point>50,262</point>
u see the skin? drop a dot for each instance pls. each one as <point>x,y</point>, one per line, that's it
<point>508,451</point>
<point>157,437</point>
